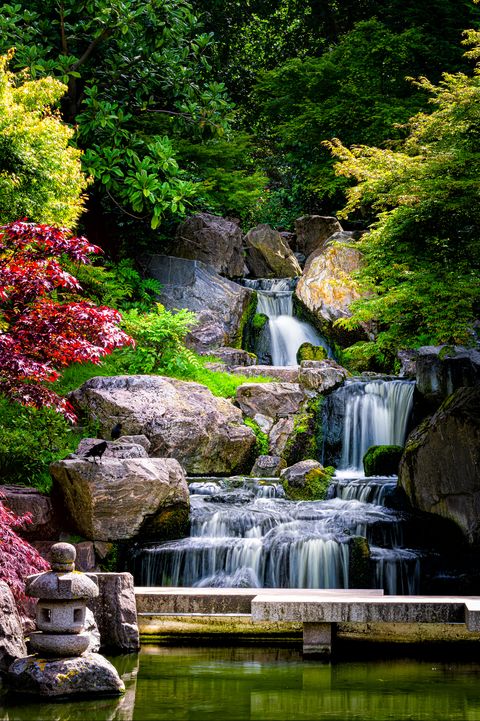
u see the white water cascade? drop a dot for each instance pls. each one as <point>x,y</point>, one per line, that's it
<point>376,413</point>
<point>286,332</point>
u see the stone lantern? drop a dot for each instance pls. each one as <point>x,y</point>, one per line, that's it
<point>62,664</point>
<point>60,615</point>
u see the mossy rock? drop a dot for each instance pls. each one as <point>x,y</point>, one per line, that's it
<point>303,442</point>
<point>259,322</point>
<point>382,460</point>
<point>316,485</point>
<point>360,564</point>
<point>308,351</point>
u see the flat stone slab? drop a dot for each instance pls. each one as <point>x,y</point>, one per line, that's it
<point>158,600</point>
<point>362,608</point>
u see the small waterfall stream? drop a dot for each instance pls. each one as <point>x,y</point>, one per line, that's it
<point>244,533</point>
<point>284,333</point>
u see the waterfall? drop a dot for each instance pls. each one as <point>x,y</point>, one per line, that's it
<point>285,332</point>
<point>363,414</point>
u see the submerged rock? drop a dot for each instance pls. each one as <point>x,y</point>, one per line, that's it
<point>182,420</point>
<point>90,674</point>
<point>440,467</point>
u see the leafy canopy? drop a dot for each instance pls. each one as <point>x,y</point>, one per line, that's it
<point>421,277</point>
<point>40,172</point>
<point>39,334</point>
<point>138,72</point>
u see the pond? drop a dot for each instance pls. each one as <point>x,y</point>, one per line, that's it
<point>265,684</point>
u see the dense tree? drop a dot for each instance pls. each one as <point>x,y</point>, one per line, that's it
<point>422,270</point>
<point>39,334</point>
<point>40,173</point>
<point>137,74</point>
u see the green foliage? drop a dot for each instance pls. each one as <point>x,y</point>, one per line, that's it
<point>229,182</point>
<point>40,173</point>
<point>262,444</point>
<point>316,485</point>
<point>30,440</point>
<point>159,340</point>
<point>259,322</point>
<point>421,276</point>
<point>138,73</point>
<point>382,460</point>
<point>118,285</point>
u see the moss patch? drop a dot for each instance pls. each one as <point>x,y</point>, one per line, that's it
<point>308,351</point>
<point>240,339</point>
<point>316,485</point>
<point>303,442</point>
<point>261,445</point>
<point>382,460</point>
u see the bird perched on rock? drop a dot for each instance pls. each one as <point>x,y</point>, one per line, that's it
<point>96,451</point>
<point>116,432</point>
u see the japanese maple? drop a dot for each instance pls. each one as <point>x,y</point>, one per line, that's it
<point>18,559</point>
<point>39,334</point>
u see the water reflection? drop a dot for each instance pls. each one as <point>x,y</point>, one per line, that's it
<point>247,684</point>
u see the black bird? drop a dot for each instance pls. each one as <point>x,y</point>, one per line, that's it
<point>96,451</point>
<point>116,432</point>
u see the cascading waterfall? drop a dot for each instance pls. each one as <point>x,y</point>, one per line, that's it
<point>285,333</point>
<point>250,536</point>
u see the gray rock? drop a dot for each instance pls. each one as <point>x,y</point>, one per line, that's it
<point>117,499</point>
<point>212,240</point>
<point>280,435</point>
<point>327,287</point>
<point>220,304</point>
<point>441,370</point>
<point>408,363</point>
<point>85,560</point>
<point>267,467</point>
<point>268,254</point>
<point>321,376</point>
<point>90,674</point>
<point>139,440</point>
<point>313,230</point>
<point>232,357</point>
<point>21,500</point>
<point>182,420</point>
<point>274,400</point>
<point>115,449</point>
<point>287,374</point>
<point>439,470</point>
<point>295,475</point>
<point>12,644</point>
<point>115,612</point>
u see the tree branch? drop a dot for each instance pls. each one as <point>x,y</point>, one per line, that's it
<point>91,48</point>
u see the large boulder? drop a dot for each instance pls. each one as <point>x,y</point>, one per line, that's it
<point>440,370</point>
<point>115,612</point>
<point>326,287</point>
<point>313,230</point>
<point>213,240</point>
<point>320,376</point>
<point>274,400</point>
<point>22,499</point>
<point>440,467</point>
<point>268,254</point>
<point>220,304</point>
<point>232,357</point>
<point>182,420</point>
<point>117,499</point>
<point>12,644</point>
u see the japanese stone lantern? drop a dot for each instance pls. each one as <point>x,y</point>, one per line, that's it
<point>60,615</point>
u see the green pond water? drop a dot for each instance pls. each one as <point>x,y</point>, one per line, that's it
<point>230,684</point>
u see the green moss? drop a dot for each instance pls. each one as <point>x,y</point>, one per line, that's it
<point>308,351</point>
<point>262,445</point>
<point>245,322</point>
<point>382,460</point>
<point>360,567</point>
<point>316,485</point>
<point>171,523</point>
<point>259,321</point>
<point>303,442</point>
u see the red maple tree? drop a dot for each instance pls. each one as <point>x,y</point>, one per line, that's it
<point>18,559</point>
<point>39,335</point>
